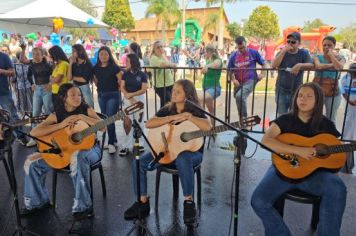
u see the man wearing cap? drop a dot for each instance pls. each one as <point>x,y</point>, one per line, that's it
<point>244,60</point>
<point>291,62</point>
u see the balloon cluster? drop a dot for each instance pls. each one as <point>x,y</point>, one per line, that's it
<point>58,24</point>
<point>114,32</point>
<point>90,22</point>
<point>55,40</point>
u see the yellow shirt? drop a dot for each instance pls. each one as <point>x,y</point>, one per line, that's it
<point>60,69</point>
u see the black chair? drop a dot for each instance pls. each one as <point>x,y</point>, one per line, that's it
<point>94,166</point>
<point>302,197</point>
<point>170,169</point>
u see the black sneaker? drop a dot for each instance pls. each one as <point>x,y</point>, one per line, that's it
<point>80,215</point>
<point>132,212</point>
<point>189,212</point>
<point>26,212</point>
<point>124,151</point>
<point>22,140</point>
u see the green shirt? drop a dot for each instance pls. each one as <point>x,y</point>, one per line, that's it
<point>161,77</point>
<point>211,76</point>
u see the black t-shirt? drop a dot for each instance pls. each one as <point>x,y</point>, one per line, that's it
<point>134,80</point>
<point>106,76</point>
<point>40,71</point>
<point>166,111</point>
<point>288,123</point>
<point>83,109</point>
<point>82,70</point>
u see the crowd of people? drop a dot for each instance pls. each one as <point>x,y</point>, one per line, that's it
<point>58,85</point>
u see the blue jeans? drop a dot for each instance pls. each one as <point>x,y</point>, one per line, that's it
<point>7,103</point>
<point>109,103</point>
<point>185,163</point>
<point>88,96</point>
<point>42,99</point>
<point>241,96</point>
<point>213,92</point>
<point>322,183</point>
<point>335,102</point>
<point>36,192</point>
<point>283,100</point>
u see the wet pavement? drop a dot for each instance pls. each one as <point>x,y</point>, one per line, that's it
<point>215,211</point>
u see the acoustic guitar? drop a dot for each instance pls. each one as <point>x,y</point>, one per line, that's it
<point>330,155</point>
<point>69,140</point>
<point>170,140</point>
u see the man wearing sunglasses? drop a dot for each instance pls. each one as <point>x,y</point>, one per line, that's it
<point>245,77</point>
<point>291,62</point>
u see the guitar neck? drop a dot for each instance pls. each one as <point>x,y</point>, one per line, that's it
<point>217,129</point>
<point>339,148</point>
<point>100,125</point>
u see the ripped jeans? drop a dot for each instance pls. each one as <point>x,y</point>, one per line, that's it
<point>36,192</point>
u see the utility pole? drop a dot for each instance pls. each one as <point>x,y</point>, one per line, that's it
<point>183,24</point>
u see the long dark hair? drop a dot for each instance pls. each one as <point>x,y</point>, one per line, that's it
<point>59,107</point>
<point>134,62</point>
<point>57,54</point>
<point>82,54</point>
<point>111,58</point>
<point>331,39</point>
<point>317,113</point>
<point>190,94</point>
<point>136,49</point>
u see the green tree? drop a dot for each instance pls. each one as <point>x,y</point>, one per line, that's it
<point>88,7</point>
<point>314,24</point>
<point>262,24</point>
<point>167,12</point>
<point>221,19</point>
<point>348,35</point>
<point>234,30</point>
<point>211,22</point>
<point>117,13</point>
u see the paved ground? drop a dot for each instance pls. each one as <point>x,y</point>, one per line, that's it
<point>217,198</point>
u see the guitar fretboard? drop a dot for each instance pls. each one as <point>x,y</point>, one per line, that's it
<point>217,129</point>
<point>98,126</point>
<point>340,148</point>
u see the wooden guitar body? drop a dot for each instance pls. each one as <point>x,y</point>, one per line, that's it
<point>62,139</point>
<point>297,167</point>
<point>172,134</point>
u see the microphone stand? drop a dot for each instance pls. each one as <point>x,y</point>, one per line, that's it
<point>20,230</point>
<point>139,223</point>
<point>240,143</point>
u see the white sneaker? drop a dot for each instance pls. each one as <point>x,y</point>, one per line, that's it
<point>31,143</point>
<point>106,146</point>
<point>112,149</point>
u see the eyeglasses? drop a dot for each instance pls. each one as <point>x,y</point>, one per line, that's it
<point>159,46</point>
<point>291,41</point>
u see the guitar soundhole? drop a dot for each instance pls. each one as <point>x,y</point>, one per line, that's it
<point>76,138</point>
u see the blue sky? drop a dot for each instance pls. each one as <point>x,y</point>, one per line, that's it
<point>289,14</point>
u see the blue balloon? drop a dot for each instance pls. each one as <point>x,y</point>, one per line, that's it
<point>90,22</point>
<point>55,40</point>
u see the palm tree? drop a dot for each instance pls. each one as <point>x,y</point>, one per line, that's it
<point>211,22</point>
<point>167,13</point>
<point>221,19</point>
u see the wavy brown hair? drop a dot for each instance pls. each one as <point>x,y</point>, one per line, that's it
<point>190,94</point>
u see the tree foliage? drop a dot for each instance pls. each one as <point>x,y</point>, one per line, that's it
<point>348,35</point>
<point>88,7</point>
<point>234,30</point>
<point>262,23</point>
<point>310,25</point>
<point>167,13</point>
<point>117,13</point>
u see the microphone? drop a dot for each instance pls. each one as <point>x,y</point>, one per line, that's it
<point>152,164</point>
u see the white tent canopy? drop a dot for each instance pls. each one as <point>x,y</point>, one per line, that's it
<point>40,13</point>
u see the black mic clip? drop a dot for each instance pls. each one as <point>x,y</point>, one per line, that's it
<point>152,164</point>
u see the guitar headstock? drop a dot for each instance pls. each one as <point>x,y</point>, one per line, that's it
<point>134,108</point>
<point>37,119</point>
<point>250,121</point>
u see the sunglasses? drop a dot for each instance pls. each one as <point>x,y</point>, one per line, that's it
<point>240,43</point>
<point>291,41</point>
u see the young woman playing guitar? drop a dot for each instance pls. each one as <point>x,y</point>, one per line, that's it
<point>70,108</point>
<point>305,119</point>
<point>174,112</point>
